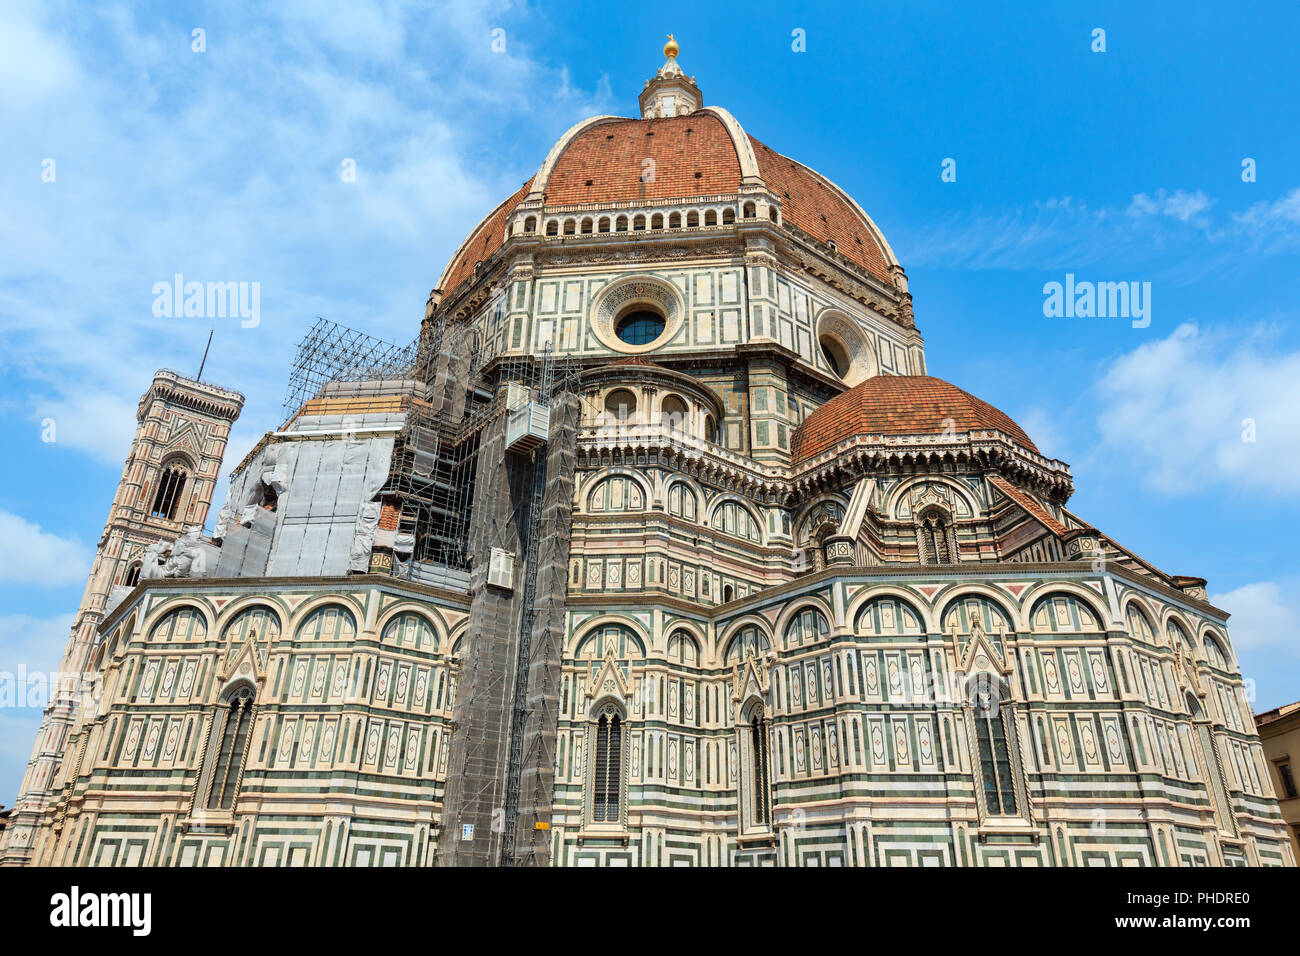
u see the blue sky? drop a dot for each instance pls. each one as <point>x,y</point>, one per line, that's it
<point>224,165</point>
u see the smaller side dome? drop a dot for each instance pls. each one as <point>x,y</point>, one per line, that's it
<point>899,405</point>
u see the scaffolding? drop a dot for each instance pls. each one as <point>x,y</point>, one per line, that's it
<point>330,354</point>
<point>480,484</point>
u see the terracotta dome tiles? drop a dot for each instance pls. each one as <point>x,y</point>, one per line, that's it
<point>898,405</point>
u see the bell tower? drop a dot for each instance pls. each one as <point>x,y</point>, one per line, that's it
<point>166,487</point>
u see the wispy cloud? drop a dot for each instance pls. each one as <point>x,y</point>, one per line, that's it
<point>35,557</point>
<point>1069,233</point>
<point>1199,409</point>
<point>226,165</point>
<point>1261,628</point>
<point>1180,205</point>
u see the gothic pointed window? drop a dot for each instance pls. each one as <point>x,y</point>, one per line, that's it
<point>758,729</point>
<point>758,778</point>
<point>132,576</point>
<point>607,768</point>
<point>230,733</point>
<point>935,542</point>
<point>171,484</point>
<point>991,722</point>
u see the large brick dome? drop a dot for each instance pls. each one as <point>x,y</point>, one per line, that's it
<point>702,155</point>
<point>899,405</point>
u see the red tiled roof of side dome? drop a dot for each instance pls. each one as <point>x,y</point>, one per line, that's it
<point>805,199</point>
<point>612,156</point>
<point>486,239</point>
<point>898,405</point>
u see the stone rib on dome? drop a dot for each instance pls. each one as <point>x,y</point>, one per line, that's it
<point>899,405</point>
<point>486,239</point>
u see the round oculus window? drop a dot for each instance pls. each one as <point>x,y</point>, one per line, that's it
<point>640,327</point>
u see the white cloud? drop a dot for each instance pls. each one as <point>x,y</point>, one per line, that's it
<point>1043,429</point>
<point>1263,615</point>
<point>1179,205</point>
<point>101,424</point>
<point>225,166</point>
<point>33,645</point>
<point>1181,409</point>
<point>1284,211</point>
<point>36,557</point>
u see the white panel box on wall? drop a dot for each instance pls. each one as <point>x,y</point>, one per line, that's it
<point>527,427</point>
<point>501,569</point>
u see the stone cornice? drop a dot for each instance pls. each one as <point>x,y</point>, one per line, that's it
<point>202,397</point>
<point>801,253</point>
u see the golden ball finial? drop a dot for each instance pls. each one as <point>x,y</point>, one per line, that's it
<point>671,48</point>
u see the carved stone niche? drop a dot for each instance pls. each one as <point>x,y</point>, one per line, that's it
<point>838,549</point>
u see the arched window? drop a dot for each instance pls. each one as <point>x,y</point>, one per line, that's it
<point>692,219</point>
<point>171,485</point>
<point>604,224</point>
<point>675,220</point>
<point>672,412</point>
<point>182,624</point>
<point>620,224</point>
<point>807,627</point>
<point>1062,612</point>
<point>731,517</point>
<point>570,227</point>
<point>1179,637</point>
<point>411,630</point>
<point>991,725</point>
<point>682,649</point>
<point>230,732</point>
<point>749,210</point>
<point>258,624</point>
<point>607,767</point>
<point>329,623</point>
<point>553,227</point>
<point>657,221</point>
<point>728,216</point>
<point>1139,626</point>
<point>710,429</point>
<point>611,639</point>
<point>616,493</point>
<point>1214,651</point>
<point>621,404</point>
<point>132,577</point>
<point>586,226</point>
<point>638,224</point>
<point>681,501</point>
<point>749,642</point>
<point>530,224</point>
<point>711,217</point>
<point>934,538</point>
<point>759,776</point>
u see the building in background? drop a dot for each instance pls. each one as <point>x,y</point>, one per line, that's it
<point>166,487</point>
<point>1279,732</point>
<point>658,546</point>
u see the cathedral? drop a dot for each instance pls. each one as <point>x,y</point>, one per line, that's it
<point>657,546</point>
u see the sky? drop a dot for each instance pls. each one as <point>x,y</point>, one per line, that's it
<point>337,154</point>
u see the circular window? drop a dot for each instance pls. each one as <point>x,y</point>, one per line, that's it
<point>834,356</point>
<point>845,348</point>
<point>640,327</point>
